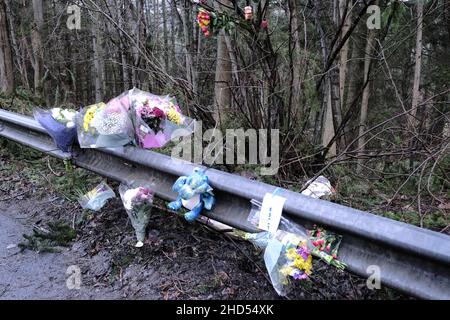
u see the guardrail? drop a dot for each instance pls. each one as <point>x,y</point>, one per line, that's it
<point>413,260</point>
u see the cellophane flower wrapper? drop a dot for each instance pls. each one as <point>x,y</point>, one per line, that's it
<point>157,119</point>
<point>287,259</point>
<point>97,197</point>
<point>122,101</point>
<point>62,135</point>
<point>137,199</point>
<point>104,126</point>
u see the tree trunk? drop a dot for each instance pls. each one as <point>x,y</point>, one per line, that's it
<point>188,35</point>
<point>38,50</point>
<point>123,50</point>
<point>344,12</point>
<point>165,42</point>
<point>222,90</point>
<point>98,62</point>
<point>328,124</point>
<point>138,26</point>
<point>18,56</point>
<point>295,61</point>
<point>365,98</point>
<point>417,68</point>
<point>223,80</point>
<point>6,64</point>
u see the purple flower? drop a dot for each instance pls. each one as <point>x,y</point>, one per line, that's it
<point>299,275</point>
<point>303,251</point>
<point>144,194</point>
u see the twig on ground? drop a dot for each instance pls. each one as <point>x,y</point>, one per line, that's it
<point>14,196</point>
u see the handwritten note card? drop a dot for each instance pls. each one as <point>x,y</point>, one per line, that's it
<point>271,210</point>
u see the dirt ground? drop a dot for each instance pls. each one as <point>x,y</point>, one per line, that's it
<point>179,260</point>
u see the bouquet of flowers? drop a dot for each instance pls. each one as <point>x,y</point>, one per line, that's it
<point>287,256</point>
<point>97,197</point>
<point>325,245</point>
<point>298,261</point>
<point>60,125</point>
<point>211,22</point>
<point>104,125</point>
<point>138,202</point>
<point>156,119</point>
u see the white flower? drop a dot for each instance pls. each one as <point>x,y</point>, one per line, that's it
<point>68,115</point>
<point>70,124</point>
<point>55,112</point>
<point>113,123</point>
<point>128,197</point>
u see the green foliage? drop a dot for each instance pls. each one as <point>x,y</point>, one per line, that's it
<point>311,96</point>
<point>394,11</point>
<point>64,179</point>
<point>22,101</point>
<point>42,240</point>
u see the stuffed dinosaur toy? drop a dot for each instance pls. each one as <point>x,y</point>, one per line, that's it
<point>194,193</point>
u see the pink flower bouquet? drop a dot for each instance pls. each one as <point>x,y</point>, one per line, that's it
<point>156,118</point>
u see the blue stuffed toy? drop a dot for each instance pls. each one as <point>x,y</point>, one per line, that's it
<point>194,193</point>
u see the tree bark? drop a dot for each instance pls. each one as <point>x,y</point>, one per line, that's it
<point>18,56</point>
<point>295,61</point>
<point>38,50</point>
<point>328,130</point>
<point>165,35</point>
<point>6,64</point>
<point>223,80</point>
<point>417,67</point>
<point>188,36</point>
<point>344,12</point>
<point>365,98</point>
<point>98,62</point>
<point>332,112</point>
<point>123,49</point>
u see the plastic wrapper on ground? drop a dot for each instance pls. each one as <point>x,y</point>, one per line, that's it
<point>97,197</point>
<point>318,188</point>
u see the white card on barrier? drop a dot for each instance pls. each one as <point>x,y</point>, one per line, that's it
<point>271,210</point>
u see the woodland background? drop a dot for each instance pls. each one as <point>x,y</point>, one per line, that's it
<point>369,109</point>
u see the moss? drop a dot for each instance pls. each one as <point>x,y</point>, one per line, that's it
<point>211,285</point>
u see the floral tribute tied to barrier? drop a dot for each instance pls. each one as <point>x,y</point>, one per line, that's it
<point>289,247</point>
<point>104,125</point>
<point>194,193</point>
<point>137,198</point>
<point>286,249</point>
<point>60,125</point>
<point>157,119</point>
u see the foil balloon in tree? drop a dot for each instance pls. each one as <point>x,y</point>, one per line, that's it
<point>248,13</point>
